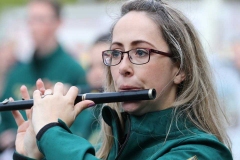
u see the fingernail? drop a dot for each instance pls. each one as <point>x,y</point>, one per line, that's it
<point>91,104</point>
<point>39,79</point>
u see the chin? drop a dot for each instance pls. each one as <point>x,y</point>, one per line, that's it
<point>132,107</point>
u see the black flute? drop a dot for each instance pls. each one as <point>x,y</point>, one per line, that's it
<point>97,98</point>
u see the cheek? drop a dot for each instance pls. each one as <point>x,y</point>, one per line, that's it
<point>154,72</point>
<point>157,77</point>
<point>114,72</point>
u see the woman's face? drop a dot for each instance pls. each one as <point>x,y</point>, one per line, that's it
<point>136,30</point>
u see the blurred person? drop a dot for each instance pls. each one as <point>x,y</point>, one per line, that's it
<point>95,71</point>
<point>93,64</point>
<point>227,81</point>
<point>96,78</point>
<point>7,146</point>
<point>7,60</point>
<point>234,130</point>
<point>236,53</point>
<point>50,61</point>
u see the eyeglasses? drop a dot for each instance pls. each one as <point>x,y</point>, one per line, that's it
<point>137,56</point>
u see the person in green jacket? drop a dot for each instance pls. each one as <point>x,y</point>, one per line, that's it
<point>153,46</point>
<point>50,62</point>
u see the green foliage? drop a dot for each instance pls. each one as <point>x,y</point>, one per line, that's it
<point>12,2</point>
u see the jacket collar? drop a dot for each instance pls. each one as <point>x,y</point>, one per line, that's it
<point>111,118</point>
<point>159,125</point>
<point>153,123</point>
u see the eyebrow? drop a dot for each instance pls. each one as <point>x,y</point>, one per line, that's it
<point>134,43</point>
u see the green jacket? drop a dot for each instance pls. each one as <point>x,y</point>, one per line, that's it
<point>58,66</point>
<point>145,137</point>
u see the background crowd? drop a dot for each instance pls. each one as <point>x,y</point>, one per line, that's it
<point>54,43</point>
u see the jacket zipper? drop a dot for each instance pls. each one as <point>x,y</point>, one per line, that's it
<point>126,140</point>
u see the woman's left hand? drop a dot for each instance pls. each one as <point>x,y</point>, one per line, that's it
<point>56,106</point>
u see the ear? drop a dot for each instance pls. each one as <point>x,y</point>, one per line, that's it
<point>180,76</point>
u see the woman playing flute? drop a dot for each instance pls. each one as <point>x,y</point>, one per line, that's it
<point>153,45</point>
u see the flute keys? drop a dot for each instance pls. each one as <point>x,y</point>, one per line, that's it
<point>5,101</point>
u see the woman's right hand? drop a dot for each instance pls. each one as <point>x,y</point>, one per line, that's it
<point>26,137</point>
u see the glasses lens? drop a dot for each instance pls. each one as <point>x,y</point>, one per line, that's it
<point>112,57</point>
<point>139,56</point>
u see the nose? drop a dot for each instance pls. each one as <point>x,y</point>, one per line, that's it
<point>125,66</point>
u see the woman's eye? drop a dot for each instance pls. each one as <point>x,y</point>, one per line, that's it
<point>141,52</point>
<point>116,53</point>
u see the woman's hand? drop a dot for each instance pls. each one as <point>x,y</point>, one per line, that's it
<point>53,106</point>
<point>26,137</point>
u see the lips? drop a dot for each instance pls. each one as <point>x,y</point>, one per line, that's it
<point>127,88</point>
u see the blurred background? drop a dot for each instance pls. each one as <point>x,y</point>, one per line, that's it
<point>217,22</point>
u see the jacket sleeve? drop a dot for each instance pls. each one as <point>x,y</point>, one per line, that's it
<point>57,142</point>
<point>17,156</point>
<point>199,149</point>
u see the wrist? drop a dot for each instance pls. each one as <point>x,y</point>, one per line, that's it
<point>45,128</point>
<point>37,127</point>
<point>19,156</point>
<point>35,155</point>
